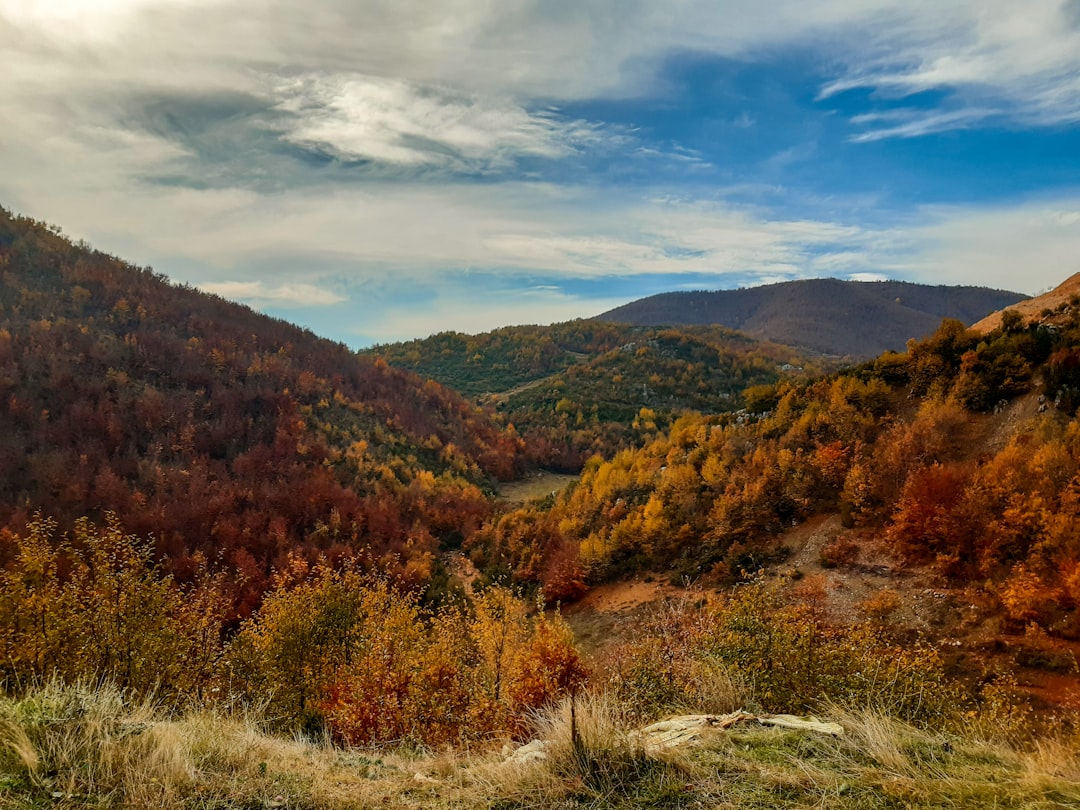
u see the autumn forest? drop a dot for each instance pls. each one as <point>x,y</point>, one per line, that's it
<point>207,505</point>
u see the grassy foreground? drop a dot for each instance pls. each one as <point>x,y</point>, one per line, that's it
<point>80,747</point>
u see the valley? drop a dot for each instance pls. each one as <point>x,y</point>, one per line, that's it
<point>216,511</point>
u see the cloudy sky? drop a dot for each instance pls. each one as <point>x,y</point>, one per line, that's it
<point>384,169</point>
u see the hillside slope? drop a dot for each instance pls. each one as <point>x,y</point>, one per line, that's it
<point>1033,307</point>
<point>215,429</point>
<point>848,318</point>
<point>922,449</point>
<point>578,388</point>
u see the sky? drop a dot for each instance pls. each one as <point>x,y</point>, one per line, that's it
<point>379,170</point>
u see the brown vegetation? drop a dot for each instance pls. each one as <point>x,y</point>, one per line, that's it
<point>908,448</point>
<point>858,319</point>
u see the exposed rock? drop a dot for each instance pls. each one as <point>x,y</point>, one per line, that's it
<point>530,752</point>
<point>691,729</point>
<point>801,724</point>
<point>686,729</point>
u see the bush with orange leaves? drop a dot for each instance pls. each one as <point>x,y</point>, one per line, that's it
<point>343,651</point>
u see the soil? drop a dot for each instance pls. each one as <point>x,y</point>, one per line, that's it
<point>604,616</point>
<point>535,486</point>
<point>962,623</point>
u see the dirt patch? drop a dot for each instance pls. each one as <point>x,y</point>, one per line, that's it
<point>847,589</point>
<point>502,396</point>
<point>992,432</point>
<point>807,539</point>
<point>461,570</point>
<point>619,597</point>
<point>603,616</point>
<point>535,486</point>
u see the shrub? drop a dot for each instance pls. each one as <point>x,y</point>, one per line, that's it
<point>97,607</point>
<point>344,651</point>
<point>840,551</point>
<point>880,607</point>
<point>777,656</point>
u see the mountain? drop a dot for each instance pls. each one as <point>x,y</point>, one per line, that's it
<point>857,319</point>
<point>222,433</point>
<point>1061,296</point>
<point>270,513</point>
<point>586,387</point>
<point>951,469</point>
<point>960,453</point>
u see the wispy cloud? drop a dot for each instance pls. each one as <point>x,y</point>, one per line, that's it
<point>392,121</point>
<point>260,295</point>
<point>913,123</point>
<point>994,59</point>
<point>230,142</point>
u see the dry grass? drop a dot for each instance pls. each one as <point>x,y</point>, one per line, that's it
<point>76,746</point>
<point>82,741</point>
<point>79,745</point>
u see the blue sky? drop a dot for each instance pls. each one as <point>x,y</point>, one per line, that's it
<point>381,170</point>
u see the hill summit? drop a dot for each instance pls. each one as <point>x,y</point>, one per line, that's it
<point>1031,307</point>
<point>859,319</point>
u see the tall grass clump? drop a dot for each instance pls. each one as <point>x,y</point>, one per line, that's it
<point>591,755</point>
<point>86,740</point>
<point>83,745</point>
<point>590,743</point>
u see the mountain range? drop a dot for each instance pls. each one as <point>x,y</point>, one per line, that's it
<point>271,484</point>
<point>856,319</point>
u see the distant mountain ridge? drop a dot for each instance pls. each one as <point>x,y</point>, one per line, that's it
<point>860,319</point>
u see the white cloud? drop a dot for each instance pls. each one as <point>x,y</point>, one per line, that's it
<point>473,86</point>
<point>395,122</point>
<point>87,20</point>
<point>1027,247</point>
<point>463,85</point>
<point>260,295</point>
<point>1019,60</point>
<point>996,58</point>
<point>479,310</point>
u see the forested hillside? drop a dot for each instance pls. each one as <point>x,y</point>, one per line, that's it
<point>962,455</point>
<point>581,388</point>
<point>225,435</point>
<point>855,319</point>
<point>225,512</point>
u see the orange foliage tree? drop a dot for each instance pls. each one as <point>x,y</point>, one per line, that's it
<point>340,649</point>
<point>96,606</point>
